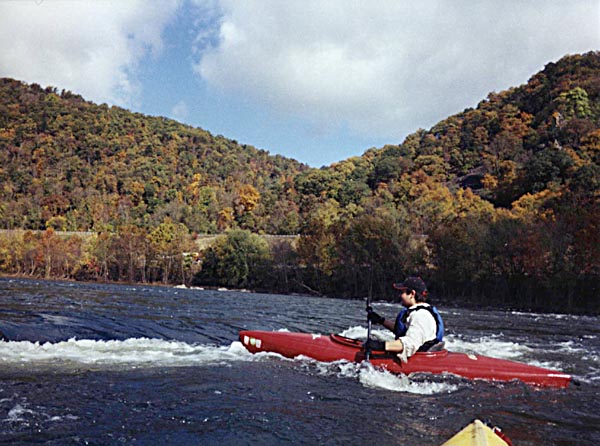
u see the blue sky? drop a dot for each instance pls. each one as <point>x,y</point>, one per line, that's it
<point>317,81</point>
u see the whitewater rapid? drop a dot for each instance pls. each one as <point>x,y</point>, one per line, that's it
<point>135,353</point>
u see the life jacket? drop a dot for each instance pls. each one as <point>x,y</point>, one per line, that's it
<point>400,327</point>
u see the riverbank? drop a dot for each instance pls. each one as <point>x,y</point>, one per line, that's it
<point>445,304</point>
<point>170,256</point>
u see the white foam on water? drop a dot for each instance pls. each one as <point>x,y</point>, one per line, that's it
<point>142,352</point>
<point>18,414</point>
<point>67,417</point>
<point>22,414</point>
<point>488,346</point>
<point>146,353</point>
<point>592,357</point>
<point>570,347</point>
<point>553,365</point>
<point>377,378</point>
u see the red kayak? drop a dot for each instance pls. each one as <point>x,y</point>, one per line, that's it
<point>335,347</point>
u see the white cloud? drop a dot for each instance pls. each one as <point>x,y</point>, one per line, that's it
<point>90,47</point>
<point>385,68</point>
<point>180,111</point>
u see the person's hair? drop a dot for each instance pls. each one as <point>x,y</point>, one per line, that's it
<point>420,297</point>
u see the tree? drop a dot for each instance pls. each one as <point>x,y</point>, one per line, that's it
<point>550,165</point>
<point>101,255</point>
<point>131,253</point>
<point>245,204</point>
<point>574,103</point>
<point>372,250</point>
<point>239,259</point>
<point>247,199</point>
<point>168,243</point>
<point>316,246</point>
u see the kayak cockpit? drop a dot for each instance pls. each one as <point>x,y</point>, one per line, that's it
<point>438,350</point>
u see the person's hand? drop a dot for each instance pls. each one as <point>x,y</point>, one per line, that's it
<point>374,344</point>
<point>374,317</point>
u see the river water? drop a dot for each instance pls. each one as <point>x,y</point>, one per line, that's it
<point>91,364</point>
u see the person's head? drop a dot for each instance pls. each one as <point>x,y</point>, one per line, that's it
<point>412,290</point>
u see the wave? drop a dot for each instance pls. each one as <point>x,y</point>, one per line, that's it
<point>129,352</point>
<point>372,377</point>
<point>171,352</point>
<point>138,353</point>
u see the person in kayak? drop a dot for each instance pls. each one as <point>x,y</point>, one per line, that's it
<point>418,326</point>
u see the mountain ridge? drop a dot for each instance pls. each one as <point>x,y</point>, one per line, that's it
<point>459,150</point>
<point>497,199</point>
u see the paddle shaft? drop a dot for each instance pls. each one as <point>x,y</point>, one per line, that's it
<point>369,324</point>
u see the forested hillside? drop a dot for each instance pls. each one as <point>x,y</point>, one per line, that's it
<point>497,204</point>
<point>76,166</point>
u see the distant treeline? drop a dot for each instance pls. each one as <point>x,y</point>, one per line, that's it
<point>478,258</point>
<point>497,205</point>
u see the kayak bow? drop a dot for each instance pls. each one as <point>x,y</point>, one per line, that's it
<point>478,433</point>
<point>329,348</point>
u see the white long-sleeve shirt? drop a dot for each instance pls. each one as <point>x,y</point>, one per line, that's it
<point>421,327</point>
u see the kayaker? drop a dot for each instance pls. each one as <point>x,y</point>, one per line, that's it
<point>418,326</point>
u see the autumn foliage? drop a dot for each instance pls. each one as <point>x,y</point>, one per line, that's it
<point>495,205</point>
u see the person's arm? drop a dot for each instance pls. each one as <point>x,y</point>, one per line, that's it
<point>396,346</point>
<point>389,346</point>
<point>377,319</point>
<point>389,324</point>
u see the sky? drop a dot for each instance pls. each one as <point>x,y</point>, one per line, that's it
<point>319,81</point>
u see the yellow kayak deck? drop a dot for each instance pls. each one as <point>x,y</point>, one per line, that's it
<point>478,433</point>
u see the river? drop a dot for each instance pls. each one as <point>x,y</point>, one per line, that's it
<point>101,364</point>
